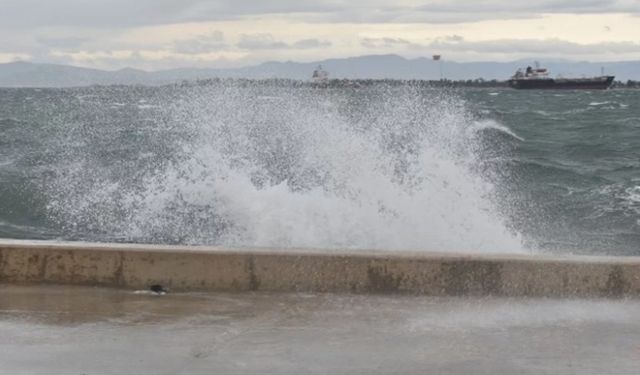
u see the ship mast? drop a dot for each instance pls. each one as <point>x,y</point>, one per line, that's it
<point>438,58</point>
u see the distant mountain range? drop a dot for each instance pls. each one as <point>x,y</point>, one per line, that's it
<point>25,74</point>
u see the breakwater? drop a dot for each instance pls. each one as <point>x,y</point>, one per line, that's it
<point>199,268</point>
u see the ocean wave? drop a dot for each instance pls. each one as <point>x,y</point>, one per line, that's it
<point>9,122</point>
<point>396,169</point>
<point>552,170</point>
<point>494,125</point>
<point>631,198</point>
<point>147,106</point>
<point>21,231</point>
<point>608,105</point>
<point>617,198</point>
<point>375,167</point>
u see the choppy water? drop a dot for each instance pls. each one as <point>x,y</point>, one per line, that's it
<point>377,167</point>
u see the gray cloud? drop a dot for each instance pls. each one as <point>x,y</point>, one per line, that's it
<point>540,6</point>
<point>384,42</point>
<point>310,43</point>
<point>266,41</point>
<point>62,42</point>
<point>260,41</point>
<point>125,13</point>
<point>456,11</point>
<point>532,46</point>
<point>452,38</point>
<point>213,41</point>
<point>541,47</point>
<point>50,30</point>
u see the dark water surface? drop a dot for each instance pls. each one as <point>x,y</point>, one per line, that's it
<point>376,167</point>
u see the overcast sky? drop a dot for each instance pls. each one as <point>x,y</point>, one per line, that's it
<point>162,34</point>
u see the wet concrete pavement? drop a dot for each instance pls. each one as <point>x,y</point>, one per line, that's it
<point>79,330</point>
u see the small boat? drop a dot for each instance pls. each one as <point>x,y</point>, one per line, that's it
<point>538,78</point>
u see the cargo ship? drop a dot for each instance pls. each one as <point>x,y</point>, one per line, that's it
<point>538,78</point>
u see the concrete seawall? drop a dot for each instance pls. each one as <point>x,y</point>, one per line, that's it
<point>183,268</point>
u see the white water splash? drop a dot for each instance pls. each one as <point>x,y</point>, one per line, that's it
<point>309,168</point>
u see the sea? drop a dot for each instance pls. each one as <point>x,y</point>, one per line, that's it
<point>380,166</point>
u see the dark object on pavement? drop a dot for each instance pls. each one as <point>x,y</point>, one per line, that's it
<point>158,289</point>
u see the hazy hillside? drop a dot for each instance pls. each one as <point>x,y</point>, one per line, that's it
<point>23,74</point>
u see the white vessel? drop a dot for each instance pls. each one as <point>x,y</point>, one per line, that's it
<point>320,75</point>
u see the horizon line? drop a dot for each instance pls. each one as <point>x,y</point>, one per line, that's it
<point>324,61</point>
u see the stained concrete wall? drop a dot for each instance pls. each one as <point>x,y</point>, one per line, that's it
<point>286,270</point>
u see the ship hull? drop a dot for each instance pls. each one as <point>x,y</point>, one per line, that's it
<point>597,83</point>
